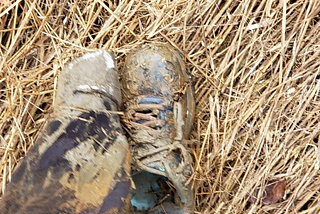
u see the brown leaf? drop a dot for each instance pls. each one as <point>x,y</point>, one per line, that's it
<point>273,192</point>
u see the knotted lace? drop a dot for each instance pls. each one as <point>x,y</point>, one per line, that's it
<point>145,115</point>
<point>153,151</point>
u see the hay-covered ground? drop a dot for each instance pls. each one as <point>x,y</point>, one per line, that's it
<point>255,66</point>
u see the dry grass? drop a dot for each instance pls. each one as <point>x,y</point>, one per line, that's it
<point>255,65</point>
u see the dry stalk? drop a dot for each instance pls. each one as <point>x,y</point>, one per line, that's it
<point>255,65</point>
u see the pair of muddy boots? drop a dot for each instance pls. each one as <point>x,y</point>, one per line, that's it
<point>82,161</point>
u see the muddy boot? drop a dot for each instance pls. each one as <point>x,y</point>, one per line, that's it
<point>159,113</point>
<point>81,161</point>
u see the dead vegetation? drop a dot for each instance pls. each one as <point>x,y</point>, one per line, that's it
<point>255,65</point>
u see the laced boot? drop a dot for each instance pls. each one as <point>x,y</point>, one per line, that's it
<point>159,113</point>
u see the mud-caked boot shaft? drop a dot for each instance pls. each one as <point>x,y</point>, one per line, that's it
<point>80,163</point>
<point>159,107</point>
<point>92,74</point>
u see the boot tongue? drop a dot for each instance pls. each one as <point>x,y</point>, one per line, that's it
<point>151,99</point>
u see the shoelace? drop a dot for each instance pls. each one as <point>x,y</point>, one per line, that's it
<point>146,115</point>
<point>154,153</point>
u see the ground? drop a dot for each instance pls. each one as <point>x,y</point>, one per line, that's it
<point>254,64</point>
